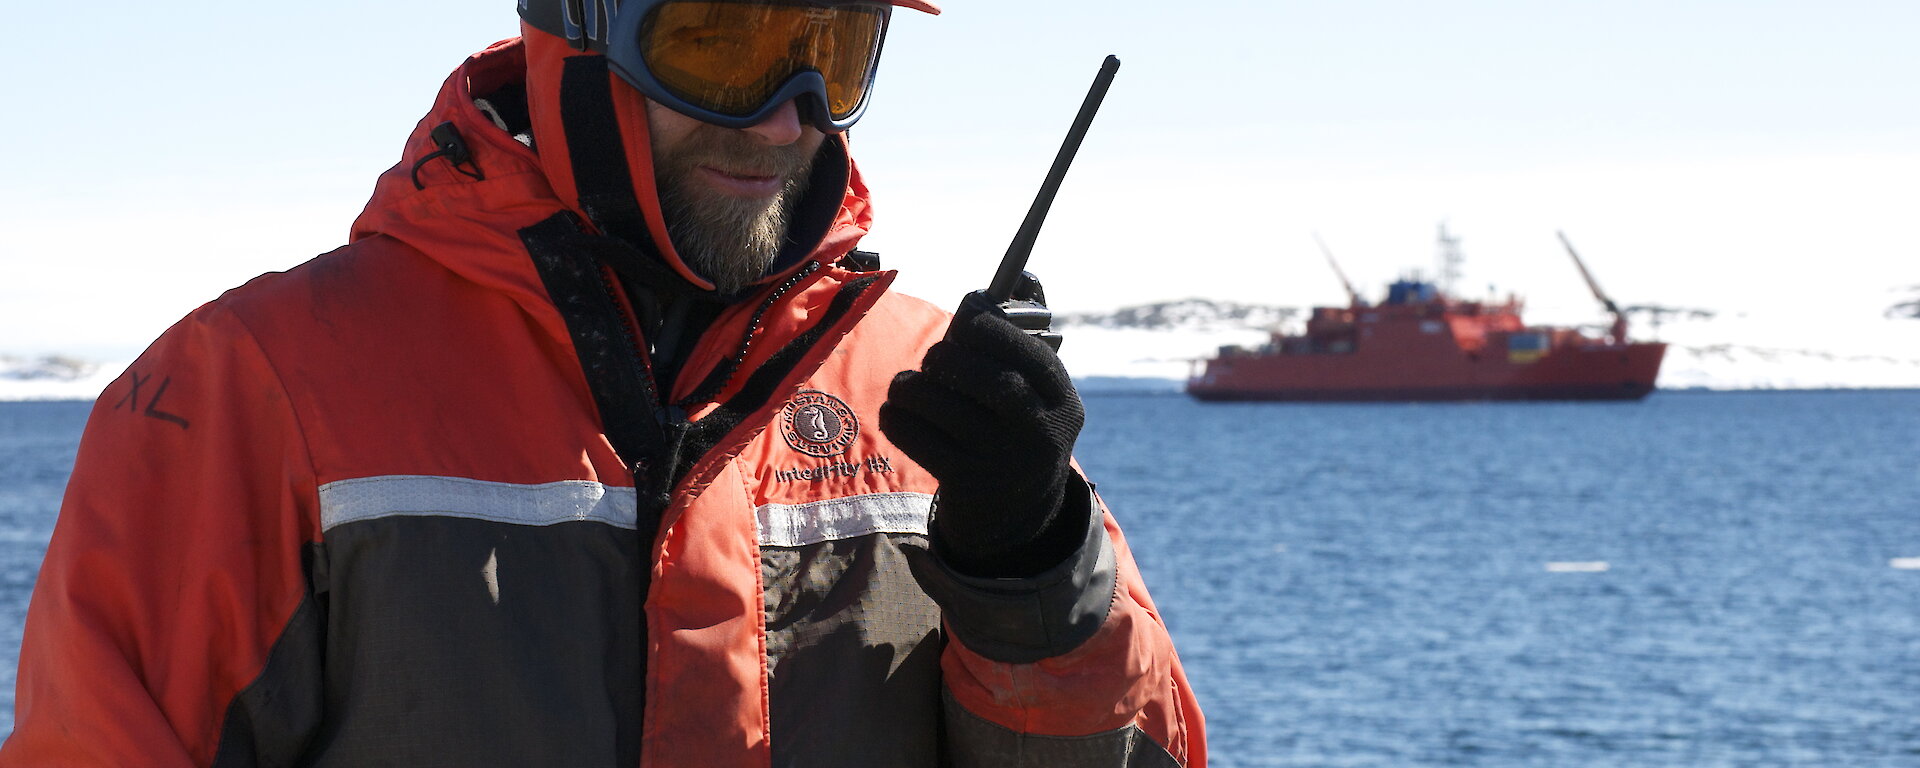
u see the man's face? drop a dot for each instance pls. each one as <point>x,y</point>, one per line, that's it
<point>728,194</point>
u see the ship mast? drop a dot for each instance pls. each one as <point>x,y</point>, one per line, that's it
<point>1619,329</point>
<point>1449,259</point>
<point>1353,296</point>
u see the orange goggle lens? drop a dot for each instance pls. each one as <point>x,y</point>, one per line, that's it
<point>730,57</point>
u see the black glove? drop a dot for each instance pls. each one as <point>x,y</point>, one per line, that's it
<point>992,415</point>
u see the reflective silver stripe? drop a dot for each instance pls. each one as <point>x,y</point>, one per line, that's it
<point>798,525</point>
<point>368,498</point>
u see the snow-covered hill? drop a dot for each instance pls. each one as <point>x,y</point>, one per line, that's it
<point>1182,315</point>
<point>54,377</point>
<point>1742,351</point>
<point>1155,347</point>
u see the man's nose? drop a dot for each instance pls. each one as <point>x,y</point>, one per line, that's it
<point>780,128</point>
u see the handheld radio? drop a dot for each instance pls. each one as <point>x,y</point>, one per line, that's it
<point>1014,291</point>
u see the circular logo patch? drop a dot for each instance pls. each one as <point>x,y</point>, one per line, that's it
<point>818,424</point>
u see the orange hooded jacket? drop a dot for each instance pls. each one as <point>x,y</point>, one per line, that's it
<point>376,511</point>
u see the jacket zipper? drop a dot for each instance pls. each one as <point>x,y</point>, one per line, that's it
<point>713,386</point>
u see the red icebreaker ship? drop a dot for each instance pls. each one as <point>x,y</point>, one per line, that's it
<point>1423,345</point>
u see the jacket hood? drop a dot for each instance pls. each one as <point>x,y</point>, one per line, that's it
<point>591,156</point>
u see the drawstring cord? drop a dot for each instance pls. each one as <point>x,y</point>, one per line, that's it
<point>453,148</point>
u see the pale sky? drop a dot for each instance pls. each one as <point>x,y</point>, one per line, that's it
<point>1742,156</point>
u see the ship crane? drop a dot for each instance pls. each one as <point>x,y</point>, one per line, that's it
<point>1618,332</point>
<point>1353,296</point>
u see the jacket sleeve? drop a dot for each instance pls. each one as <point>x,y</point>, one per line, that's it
<point>1072,667</point>
<point>175,569</point>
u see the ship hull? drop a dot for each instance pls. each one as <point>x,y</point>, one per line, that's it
<point>1424,394</point>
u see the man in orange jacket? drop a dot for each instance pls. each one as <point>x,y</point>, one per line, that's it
<point>593,448</point>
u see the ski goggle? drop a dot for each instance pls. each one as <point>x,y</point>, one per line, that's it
<point>734,62</point>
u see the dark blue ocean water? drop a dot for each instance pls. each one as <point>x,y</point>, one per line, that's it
<point>1368,585</point>
<point>37,445</point>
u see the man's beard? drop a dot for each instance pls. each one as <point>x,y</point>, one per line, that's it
<point>731,240</point>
